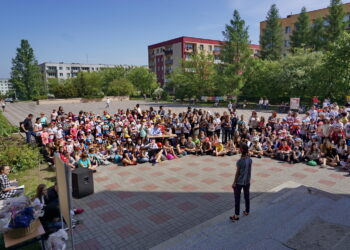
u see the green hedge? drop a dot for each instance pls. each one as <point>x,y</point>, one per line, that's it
<point>20,156</point>
<point>6,129</point>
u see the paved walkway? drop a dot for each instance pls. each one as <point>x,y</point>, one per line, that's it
<point>139,207</point>
<point>16,112</point>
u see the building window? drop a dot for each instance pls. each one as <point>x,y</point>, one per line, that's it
<point>68,74</point>
<point>61,74</point>
<point>287,30</point>
<point>210,48</point>
<point>201,47</point>
<point>61,68</point>
<point>217,49</point>
<point>189,46</point>
<point>68,68</point>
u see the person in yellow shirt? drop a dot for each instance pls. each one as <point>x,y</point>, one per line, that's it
<point>220,149</point>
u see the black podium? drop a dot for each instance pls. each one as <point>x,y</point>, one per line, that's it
<point>82,182</point>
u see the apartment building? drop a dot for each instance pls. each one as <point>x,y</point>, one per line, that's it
<point>166,56</point>
<point>288,24</point>
<point>67,70</point>
<point>5,86</point>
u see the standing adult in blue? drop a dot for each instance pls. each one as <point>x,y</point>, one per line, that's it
<point>27,127</point>
<point>242,181</point>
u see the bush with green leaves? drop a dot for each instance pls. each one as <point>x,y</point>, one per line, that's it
<point>6,129</point>
<point>18,155</point>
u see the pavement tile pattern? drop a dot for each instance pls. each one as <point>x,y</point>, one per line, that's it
<point>143,208</point>
<point>138,207</point>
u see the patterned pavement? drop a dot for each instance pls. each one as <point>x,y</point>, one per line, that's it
<point>138,207</point>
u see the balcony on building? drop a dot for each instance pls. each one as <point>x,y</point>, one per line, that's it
<point>51,69</point>
<point>168,51</point>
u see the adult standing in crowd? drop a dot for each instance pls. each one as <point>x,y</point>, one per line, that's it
<point>242,181</point>
<point>108,101</point>
<point>28,128</point>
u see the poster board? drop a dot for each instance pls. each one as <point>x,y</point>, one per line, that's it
<point>294,103</point>
<point>63,186</point>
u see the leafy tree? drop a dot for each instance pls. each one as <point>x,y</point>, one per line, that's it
<point>110,74</point>
<point>26,76</point>
<point>335,72</point>
<point>236,46</point>
<point>272,38</point>
<point>89,84</point>
<point>301,34</point>
<point>317,35</point>
<point>144,80</point>
<point>300,77</point>
<point>296,75</point>
<point>335,21</point>
<point>262,79</point>
<point>195,77</point>
<point>63,88</point>
<point>120,87</point>
<point>235,55</point>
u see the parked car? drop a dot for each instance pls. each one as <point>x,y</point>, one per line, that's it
<point>9,99</point>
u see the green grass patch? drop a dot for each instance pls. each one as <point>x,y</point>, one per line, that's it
<point>31,178</point>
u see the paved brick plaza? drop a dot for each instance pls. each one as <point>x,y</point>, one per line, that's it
<point>138,207</point>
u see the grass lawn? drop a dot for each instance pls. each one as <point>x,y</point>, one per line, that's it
<point>31,178</point>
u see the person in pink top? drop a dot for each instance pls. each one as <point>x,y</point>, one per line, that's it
<point>44,136</point>
<point>74,132</point>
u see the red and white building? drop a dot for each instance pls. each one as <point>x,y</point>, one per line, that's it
<point>166,56</point>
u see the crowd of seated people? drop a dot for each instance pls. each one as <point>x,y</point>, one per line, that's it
<point>135,136</point>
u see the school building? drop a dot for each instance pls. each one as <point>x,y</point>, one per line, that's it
<point>288,24</point>
<point>166,56</point>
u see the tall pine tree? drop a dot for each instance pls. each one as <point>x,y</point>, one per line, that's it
<point>335,21</point>
<point>317,39</point>
<point>236,47</point>
<point>26,76</point>
<point>234,55</point>
<point>301,34</point>
<point>272,37</point>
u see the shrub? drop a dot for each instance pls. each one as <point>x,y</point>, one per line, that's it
<point>18,155</point>
<point>6,129</point>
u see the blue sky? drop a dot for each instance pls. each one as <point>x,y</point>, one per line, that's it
<point>118,32</point>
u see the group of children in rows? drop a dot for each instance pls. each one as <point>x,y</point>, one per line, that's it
<point>135,136</point>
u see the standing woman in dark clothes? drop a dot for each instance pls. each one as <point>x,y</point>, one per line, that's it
<point>242,181</point>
